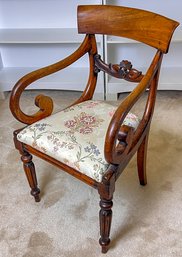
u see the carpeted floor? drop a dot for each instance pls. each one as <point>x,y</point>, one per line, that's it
<point>147,221</point>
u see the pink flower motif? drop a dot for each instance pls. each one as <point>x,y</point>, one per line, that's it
<point>131,116</point>
<point>111,113</point>
<point>70,123</point>
<point>92,104</point>
<point>86,130</point>
<point>87,119</point>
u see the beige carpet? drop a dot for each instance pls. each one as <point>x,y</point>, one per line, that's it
<point>147,221</point>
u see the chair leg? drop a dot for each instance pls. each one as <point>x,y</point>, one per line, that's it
<point>29,169</point>
<point>106,190</point>
<point>105,216</point>
<point>141,160</point>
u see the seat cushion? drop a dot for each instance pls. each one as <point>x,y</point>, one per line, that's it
<point>76,136</point>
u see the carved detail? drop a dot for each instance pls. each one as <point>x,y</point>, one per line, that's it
<point>123,70</point>
<point>106,190</point>
<point>125,138</point>
<point>105,223</point>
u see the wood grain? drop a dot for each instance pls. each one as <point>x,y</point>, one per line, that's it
<point>140,25</point>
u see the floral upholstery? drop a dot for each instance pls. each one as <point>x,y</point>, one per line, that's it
<point>76,136</point>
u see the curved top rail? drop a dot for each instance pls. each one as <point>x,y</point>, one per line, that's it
<point>144,26</point>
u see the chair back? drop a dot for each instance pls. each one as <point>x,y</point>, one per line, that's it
<point>144,26</point>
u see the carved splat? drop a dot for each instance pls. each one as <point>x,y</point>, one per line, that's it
<point>123,70</point>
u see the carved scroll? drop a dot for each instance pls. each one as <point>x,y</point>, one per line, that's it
<point>123,70</point>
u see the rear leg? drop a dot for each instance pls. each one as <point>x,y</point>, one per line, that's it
<point>141,160</point>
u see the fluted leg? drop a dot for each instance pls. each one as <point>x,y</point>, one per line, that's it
<point>105,223</point>
<point>29,169</point>
<point>141,161</point>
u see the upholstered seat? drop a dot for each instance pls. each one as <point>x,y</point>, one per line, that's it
<point>76,135</point>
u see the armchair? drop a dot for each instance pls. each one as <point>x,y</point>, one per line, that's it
<point>94,140</point>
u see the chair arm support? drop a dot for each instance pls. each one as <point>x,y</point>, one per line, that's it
<point>44,103</point>
<point>112,154</point>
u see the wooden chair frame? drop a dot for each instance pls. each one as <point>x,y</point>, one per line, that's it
<point>149,28</point>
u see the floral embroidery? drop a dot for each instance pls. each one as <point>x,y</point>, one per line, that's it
<point>111,113</point>
<point>70,123</point>
<point>83,123</point>
<point>92,104</point>
<point>69,109</point>
<point>59,143</point>
<point>131,120</point>
<point>38,130</point>
<point>92,153</point>
<point>75,136</point>
<point>72,108</point>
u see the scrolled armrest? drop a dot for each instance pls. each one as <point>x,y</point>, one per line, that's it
<point>44,103</point>
<point>113,154</point>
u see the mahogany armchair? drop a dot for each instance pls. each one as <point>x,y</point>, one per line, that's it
<point>93,140</point>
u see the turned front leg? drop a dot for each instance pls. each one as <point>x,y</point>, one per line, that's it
<point>106,190</point>
<point>105,223</point>
<point>29,169</point>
